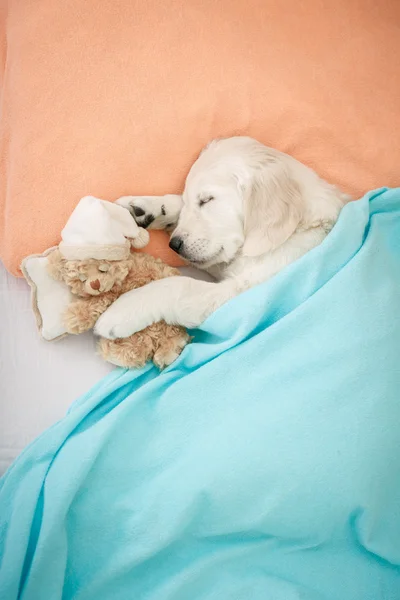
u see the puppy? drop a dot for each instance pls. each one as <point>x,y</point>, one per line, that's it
<point>247,211</point>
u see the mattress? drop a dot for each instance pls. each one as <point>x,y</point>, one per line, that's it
<point>38,380</point>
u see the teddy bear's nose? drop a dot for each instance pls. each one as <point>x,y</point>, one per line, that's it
<point>95,285</point>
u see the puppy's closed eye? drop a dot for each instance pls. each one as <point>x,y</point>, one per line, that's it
<point>205,199</point>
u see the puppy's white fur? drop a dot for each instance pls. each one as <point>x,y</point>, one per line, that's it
<point>246,212</point>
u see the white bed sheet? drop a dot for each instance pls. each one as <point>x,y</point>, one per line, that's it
<point>38,380</point>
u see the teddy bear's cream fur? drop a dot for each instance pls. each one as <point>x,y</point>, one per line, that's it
<point>98,283</point>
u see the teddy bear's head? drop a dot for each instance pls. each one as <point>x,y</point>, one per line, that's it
<point>90,277</point>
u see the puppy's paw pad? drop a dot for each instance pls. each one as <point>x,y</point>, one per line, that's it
<point>144,210</point>
<point>138,211</point>
<point>145,220</point>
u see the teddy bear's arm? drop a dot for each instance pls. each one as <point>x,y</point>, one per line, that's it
<point>82,315</point>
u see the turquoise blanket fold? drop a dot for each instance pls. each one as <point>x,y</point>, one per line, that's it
<point>263,465</point>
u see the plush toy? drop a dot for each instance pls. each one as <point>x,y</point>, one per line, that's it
<point>97,283</point>
<point>74,283</point>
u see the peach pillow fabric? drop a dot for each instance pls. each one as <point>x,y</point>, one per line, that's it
<point>117,97</point>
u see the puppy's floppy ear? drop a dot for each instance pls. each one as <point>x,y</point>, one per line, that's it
<point>273,209</point>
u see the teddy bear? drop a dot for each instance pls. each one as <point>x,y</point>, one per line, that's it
<point>97,283</point>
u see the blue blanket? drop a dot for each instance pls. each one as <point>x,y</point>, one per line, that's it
<point>263,465</point>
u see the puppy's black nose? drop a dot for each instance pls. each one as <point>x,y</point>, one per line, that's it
<point>176,244</point>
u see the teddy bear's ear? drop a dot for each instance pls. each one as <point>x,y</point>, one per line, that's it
<point>55,265</point>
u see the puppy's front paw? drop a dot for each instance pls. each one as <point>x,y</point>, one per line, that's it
<point>122,319</point>
<point>153,212</point>
<point>106,327</point>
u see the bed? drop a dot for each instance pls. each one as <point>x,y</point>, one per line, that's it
<point>117,98</point>
<point>263,463</point>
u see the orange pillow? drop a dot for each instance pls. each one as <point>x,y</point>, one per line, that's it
<point>117,97</point>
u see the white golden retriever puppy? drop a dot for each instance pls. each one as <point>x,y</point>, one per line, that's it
<point>247,211</point>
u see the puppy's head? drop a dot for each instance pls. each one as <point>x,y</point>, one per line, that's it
<point>240,198</point>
